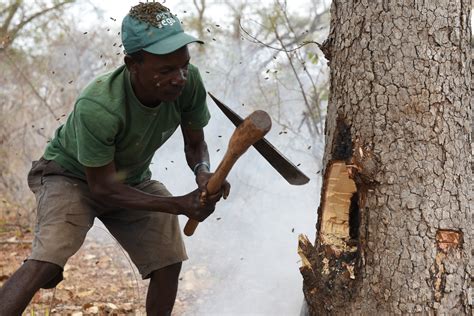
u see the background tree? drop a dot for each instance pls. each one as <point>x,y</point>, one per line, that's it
<point>395,220</point>
<point>292,40</point>
<point>17,17</point>
<point>45,63</point>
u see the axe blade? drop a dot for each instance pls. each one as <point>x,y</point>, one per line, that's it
<point>280,163</point>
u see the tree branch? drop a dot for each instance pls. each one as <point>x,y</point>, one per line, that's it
<point>280,49</point>
<point>13,33</point>
<point>12,9</point>
<point>297,38</point>
<point>314,120</point>
<point>33,88</point>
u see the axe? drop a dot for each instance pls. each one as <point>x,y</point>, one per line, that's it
<point>280,163</point>
<point>252,129</point>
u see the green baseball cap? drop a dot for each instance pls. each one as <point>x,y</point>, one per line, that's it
<point>161,34</point>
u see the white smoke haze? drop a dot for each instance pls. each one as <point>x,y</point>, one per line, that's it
<point>249,244</point>
<point>248,247</point>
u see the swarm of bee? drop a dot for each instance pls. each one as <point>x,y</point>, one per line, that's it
<point>146,12</point>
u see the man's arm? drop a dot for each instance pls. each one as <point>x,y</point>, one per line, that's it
<point>195,149</point>
<point>105,185</point>
<point>197,156</point>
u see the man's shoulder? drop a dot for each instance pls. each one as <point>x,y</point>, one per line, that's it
<point>194,75</point>
<point>193,69</point>
<point>106,89</point>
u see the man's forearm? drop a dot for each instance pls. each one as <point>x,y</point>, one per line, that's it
<point>124,196</point>
<point>198,157</point>
<point>195,149</point>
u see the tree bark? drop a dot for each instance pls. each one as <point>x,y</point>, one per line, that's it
<point>394,231</point>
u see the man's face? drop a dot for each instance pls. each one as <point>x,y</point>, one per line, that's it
<point>162,77</point>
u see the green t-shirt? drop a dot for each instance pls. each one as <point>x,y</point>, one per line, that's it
<point>109,123</point>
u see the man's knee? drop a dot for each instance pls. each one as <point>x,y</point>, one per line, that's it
<point>50,273</point>
<point>170,272</point>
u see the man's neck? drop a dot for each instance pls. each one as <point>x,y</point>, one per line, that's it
<point>142,96</point>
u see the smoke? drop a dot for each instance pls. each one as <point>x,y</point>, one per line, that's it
<point>249,245</point>
<point>243,258</point>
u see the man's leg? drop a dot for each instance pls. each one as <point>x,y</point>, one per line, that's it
<point>64,217</point>
<point>162,290</point>
<point>154,242</point>
<point>19,289</point>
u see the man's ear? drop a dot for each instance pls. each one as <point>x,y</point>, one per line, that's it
<point>130,64</point>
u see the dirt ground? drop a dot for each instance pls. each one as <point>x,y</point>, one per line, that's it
<point>98,280</point>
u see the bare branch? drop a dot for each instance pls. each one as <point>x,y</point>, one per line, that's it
<point>12,9</point>
<point>24,21</point>
<point>201,8</point>
<point>33,88</point>
<point>300,84</point>
<point>305,69</point>
<point>280,49</point>
<point>312,115</point>
<point>290,41</point>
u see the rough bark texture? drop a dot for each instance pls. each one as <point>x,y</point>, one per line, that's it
<point>399,116</point>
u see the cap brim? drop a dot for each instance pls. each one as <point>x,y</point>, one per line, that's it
<point>171,44</point>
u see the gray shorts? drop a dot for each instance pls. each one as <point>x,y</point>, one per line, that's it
<point>66,212</point>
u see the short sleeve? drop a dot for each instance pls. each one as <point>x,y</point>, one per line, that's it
<point>95,130</point>
<point>194,111</point>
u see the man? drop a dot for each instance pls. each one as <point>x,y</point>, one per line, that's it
<point>97,165</point>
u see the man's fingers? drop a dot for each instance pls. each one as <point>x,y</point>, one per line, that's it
<point>203,186</point>
<point>209,199</point>
<point>214,198</point>
<point>203,198</point>
<point>206,198</point>
<point>226,192</point>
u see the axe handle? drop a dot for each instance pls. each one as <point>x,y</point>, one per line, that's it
<point>252,129</point>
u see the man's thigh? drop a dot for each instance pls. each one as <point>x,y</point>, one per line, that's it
<point>64,214</point>
<point>152,239</point>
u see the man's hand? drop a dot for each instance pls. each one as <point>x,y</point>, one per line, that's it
<point>199,204</point>
<point>195,208</point>
<point>202,178</point>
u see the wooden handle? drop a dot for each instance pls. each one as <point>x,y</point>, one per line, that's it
<point>252,129</point>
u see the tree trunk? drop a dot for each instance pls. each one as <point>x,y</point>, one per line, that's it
<point>394,231</point>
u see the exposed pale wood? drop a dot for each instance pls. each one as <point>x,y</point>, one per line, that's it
<point>303,245</point>
<point>337,195</point>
